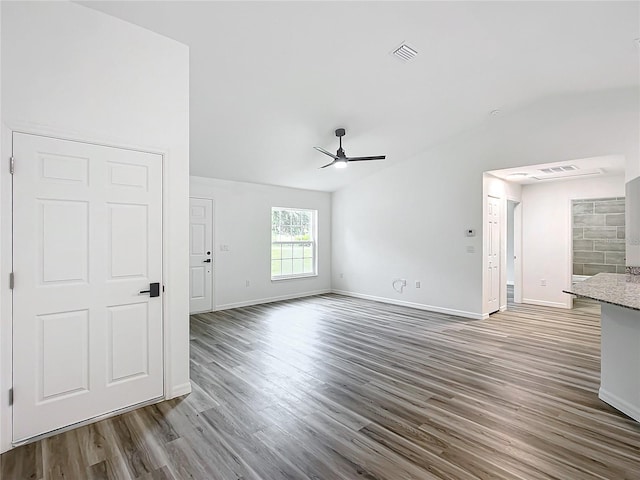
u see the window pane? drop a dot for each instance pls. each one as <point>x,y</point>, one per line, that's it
<point>287,250</point>
<point>287,267</point>
<point>298,250</point>
<point>308,250</point>
<point>298,266</point>
<point>276,252</point>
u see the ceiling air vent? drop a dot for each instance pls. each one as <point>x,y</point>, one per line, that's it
<point>562,169</point>
<point>405,53</point>
<point>567,174</point>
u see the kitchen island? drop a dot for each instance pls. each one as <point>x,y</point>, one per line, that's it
<point>619,296</point>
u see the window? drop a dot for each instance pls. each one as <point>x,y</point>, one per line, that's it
<point>293,243</point>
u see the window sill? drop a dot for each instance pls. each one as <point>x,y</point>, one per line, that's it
<point>293,277</point>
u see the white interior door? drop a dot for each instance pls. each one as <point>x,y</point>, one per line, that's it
<point>87,239</point>
<point>493,254</point>
<point>200,255</point>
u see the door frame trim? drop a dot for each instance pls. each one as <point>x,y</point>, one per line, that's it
<point>6,264</point>
<point>517,250</point>
<point>213,250</point>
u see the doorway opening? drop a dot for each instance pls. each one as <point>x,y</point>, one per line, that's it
<point>513,253</point>
<point>545,228</point>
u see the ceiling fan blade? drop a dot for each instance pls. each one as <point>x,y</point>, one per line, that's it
<point>326,153</point>
<point>360,159</point>
<point>327,165</point>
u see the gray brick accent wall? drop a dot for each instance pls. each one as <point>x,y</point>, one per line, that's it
<point>598,236</point>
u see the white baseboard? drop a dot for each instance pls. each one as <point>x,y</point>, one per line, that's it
<point>258,301</point>
<point>625,407</point>
<point>544,303</point>
<point>179,390</point>
<point>419,306</point>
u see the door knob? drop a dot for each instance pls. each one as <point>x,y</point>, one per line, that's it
<point>208,260</point>
<point>154,290</point>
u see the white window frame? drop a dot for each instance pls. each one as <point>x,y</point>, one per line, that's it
<point>313,241</point>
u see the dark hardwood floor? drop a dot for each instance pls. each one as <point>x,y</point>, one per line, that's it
<point>331,387</point>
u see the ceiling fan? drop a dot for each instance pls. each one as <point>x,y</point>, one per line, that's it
<point>340,159</point>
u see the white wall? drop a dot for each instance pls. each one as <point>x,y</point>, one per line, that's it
<point>74,72</point>
<point>409,219</point>
<point>547,235</point>
<point>242,220</point>
<point>5,364</point>
<point>632,172</point>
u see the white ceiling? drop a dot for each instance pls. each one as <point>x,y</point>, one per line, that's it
<point>270,80</point>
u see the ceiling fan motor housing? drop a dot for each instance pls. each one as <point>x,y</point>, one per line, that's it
<point>340,159</point>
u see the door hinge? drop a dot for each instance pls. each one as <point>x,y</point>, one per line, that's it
<point>12,164</point>
<point>12,280</point>
<point>11,396</point>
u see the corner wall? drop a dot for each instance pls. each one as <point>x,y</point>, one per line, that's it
<point>242,221</point>
<point>73,72</point>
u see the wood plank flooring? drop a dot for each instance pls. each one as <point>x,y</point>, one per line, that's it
<point>331,387</point>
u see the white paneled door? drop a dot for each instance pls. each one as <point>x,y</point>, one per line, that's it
<point>493,254</point>
<point>200,255</point>
<point>87,240</point>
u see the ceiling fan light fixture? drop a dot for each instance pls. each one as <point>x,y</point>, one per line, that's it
<point>340,159</point>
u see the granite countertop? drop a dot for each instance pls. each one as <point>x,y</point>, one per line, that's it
<point>614,288</point>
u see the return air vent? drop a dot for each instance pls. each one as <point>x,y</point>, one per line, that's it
<point>562,169</point>
<point>405,53</point>
<point>567,174</point>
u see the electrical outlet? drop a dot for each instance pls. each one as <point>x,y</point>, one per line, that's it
<point>342,275</point>
<point>471,249</point>
<point>543,283</point>
<point>247,283</point>
<point>417,284</point>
